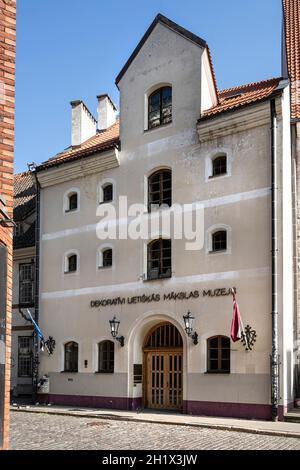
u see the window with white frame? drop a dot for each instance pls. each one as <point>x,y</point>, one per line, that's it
<point>71,263</point>
<point>105,257</point>
<point>160,107</point>
<point>71,200</point>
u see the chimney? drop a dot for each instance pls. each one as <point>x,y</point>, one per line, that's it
<point>106,112</point>
<point>83,123</point>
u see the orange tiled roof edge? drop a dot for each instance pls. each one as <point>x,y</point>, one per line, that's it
<point>291,14</point>
<point>233,98</point>
<point>103,140</point>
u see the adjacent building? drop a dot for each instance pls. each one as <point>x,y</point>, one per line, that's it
<point>23,284</point>
<point>7,93</point>
<point>120,308</point>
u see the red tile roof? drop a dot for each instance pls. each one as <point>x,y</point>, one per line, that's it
<point>101,141</point>
<point>24,195</point>
<point>292,37</point>
<point>237,97</point>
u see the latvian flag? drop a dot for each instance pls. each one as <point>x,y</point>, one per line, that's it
<point>236,330</point>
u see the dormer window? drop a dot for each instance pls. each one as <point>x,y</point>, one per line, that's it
<point>160,107</point>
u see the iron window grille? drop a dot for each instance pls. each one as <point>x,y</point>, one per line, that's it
<point>159,259</point>
<point>106,357</point>
<point>219,165</point>
<point>218,354</point>
<point>219,241</point>
<point>25,355</point>
<point>71,357</point>
<point>160,189</point>
<point>160,107</point>
<point>26,283</point>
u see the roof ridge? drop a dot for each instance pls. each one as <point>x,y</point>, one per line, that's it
<point>249,85</point>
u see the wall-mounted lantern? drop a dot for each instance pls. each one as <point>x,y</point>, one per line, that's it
<point>114,329</point>
<point>188,322</point>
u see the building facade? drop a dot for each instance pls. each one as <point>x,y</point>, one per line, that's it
<point>118,307</point>
<point>7,87</point>
<point>23,284</point>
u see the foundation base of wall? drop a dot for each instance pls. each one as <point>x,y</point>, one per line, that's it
<point>197,408</point>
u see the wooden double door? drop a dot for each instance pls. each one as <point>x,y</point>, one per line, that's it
<point>163,380</point>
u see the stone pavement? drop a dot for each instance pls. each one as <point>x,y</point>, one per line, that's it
<point>146,416</point>
<point>66,432</point>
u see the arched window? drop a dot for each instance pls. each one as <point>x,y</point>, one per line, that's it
<point>219,241</point>
<point>219,165</point>
<point>160,188</point>
<point>71,357</point>
<point>106,350</point>
<point>107,258</point>
<point>72,202</point>
<point>218,354</point>
<point>160,107</point>
<point>107,191</point>
<point>159,259</point>
<point>71,263</point>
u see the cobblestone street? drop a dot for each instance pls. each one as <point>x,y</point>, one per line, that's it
<point>42,431</point>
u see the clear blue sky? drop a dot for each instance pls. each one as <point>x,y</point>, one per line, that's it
<point>74,49</point>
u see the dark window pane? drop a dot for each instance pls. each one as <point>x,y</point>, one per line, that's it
<point>107,258</point>
<point>72,263</point>
<point>160,188</point>
<point>106,357</point>
<point>73,202</point>
<point>160,107</point>
<point>219,241</point>
<point>26,283</point>
<point>159,259</point>
<point>25,356</point>
<point>71,357</point>
<point>220,165</point>
<point>108,193</point>
<point>218,354</point>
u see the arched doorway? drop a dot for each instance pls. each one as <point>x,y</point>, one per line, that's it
<point>163,361</point>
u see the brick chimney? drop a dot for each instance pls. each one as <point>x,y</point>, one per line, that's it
<point>106,112</point>
<point>83,123</point>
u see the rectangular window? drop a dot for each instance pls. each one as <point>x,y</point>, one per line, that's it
<point>26,283</point>
<point>25,356</point>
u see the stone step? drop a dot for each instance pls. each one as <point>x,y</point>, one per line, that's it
<point>293,416</point>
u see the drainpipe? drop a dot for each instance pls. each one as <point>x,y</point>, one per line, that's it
<point>274,356</point>
<point>36,347</point>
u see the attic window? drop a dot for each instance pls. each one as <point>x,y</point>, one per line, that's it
<point>160,107</point>
<point>230,97</point>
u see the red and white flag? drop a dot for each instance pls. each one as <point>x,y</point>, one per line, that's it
<point>236,325</point>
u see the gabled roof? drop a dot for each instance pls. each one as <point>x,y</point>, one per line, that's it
<point>174,27</point>
<point>291,10</point>
<point>103,140</point>
<point>237,97</point>
<point>24,195</point>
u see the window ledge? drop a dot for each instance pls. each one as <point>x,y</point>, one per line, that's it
<point>103,373</point>
<point>106,202</point>
<point>212,177</point>
<point>70,211</point>
<point>157,278</point>
<point>71,272</point>
<point>161,126</point>
<point>217,252</point>
<point>217,373</point>
<point>69,371</point>
<point>104,267</point>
